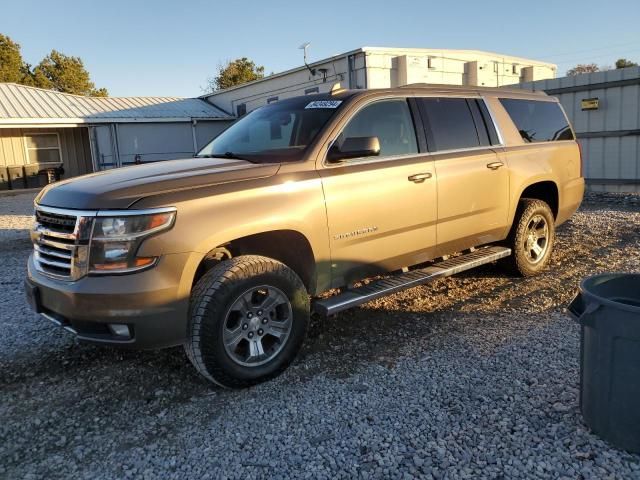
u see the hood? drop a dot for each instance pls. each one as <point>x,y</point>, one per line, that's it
<point>122,187</point>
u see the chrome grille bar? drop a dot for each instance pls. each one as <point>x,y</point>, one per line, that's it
<point>53,233</point>
<point>60,242</point>
<point>60,265</point>
<point>52,252</point>
<point>58,245</point>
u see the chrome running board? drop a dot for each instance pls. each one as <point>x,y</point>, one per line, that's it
<point>386,286</point>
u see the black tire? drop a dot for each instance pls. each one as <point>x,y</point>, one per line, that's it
<point>522,260</point>
<point>212,299</point>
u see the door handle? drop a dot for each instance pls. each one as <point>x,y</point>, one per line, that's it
<point>494,165</point>
<point>419,177</point>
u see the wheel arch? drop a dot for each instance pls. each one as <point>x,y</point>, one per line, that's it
<point>287,246</point>
<point>546,190</point>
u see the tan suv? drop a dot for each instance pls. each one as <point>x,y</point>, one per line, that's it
<point>227,253</point>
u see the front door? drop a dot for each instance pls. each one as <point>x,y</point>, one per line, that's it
<point>381,210</point>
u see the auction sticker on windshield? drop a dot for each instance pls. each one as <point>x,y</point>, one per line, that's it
<point>324,104</point>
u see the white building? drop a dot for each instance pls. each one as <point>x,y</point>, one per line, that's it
<point>377,67</point>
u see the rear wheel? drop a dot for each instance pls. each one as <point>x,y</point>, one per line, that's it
<point>532,237</point>
<point>248,319</point>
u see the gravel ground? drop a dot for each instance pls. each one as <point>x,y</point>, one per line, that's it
<point>474,376</point>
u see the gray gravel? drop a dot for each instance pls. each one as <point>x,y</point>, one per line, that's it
<point>470,377</point>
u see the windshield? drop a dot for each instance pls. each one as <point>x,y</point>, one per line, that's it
<point>279,132</point>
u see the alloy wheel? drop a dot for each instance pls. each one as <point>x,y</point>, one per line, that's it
<point>257,326</point>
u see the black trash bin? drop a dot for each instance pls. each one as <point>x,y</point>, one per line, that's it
<point>607,307</point>
<point>36,177</point>
<point>4,179</point>
<point>16,177</point>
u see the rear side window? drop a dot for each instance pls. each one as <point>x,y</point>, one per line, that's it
<point>538,121</point>
<point>449,124</point>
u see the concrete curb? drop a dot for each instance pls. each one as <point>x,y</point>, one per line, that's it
<point>13,193</point>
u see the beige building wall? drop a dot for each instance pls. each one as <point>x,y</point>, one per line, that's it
<point>75,151</point>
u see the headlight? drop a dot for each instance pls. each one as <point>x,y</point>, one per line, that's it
<point>115,241</point>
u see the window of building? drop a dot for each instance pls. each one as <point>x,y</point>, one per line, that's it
<point>241,109</point>
<point>538,121</point>
<point>272,99</point>
<point>390,121</point>
<point>43,148</point>
<point>449,124</point>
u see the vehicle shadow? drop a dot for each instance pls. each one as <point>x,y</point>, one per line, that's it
<point>336,346</point>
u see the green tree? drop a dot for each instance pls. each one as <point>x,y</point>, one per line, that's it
<point>583,68</point>
<point>624,63</point>
<point>237,72</point>
<point>12,66</point>
<point>63,73</point>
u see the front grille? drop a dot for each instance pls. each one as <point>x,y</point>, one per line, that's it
<point>58,238</point>
<point>56,222</point>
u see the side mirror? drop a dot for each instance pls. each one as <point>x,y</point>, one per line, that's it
<point>354,147</point>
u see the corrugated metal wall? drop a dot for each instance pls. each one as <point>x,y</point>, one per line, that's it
<point>74,146</point>
<point>610,135</point>
<point>119,144</point>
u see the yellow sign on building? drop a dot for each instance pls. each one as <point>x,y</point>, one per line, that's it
<point>590,103</point>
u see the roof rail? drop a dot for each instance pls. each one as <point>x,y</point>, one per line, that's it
<point>444,86</point>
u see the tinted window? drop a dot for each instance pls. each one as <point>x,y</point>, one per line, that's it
<point>538,121</point>
<point>449,124</point>
<point>390,121</point>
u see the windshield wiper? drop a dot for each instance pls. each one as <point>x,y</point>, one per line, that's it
<point>233,156</point>
<point>229,155</point>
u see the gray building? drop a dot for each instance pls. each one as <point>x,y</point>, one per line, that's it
<point>42,129</point>
<point>604,108</point>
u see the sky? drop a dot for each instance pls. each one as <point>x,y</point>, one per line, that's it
<point>165,48</point>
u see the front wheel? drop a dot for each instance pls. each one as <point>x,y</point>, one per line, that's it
<point>531,238</point>
<point>247,320</point>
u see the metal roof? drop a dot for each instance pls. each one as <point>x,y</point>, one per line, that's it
<point>21,104</point>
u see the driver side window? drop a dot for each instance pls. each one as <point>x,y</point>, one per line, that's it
<point>390,121</point>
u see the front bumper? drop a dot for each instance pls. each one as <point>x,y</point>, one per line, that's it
<point>153,304</point>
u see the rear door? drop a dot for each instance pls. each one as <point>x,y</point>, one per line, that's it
<point>473,181</point>
<point>381,210</point>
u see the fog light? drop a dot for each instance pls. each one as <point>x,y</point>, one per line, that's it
<point>120,330</point>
